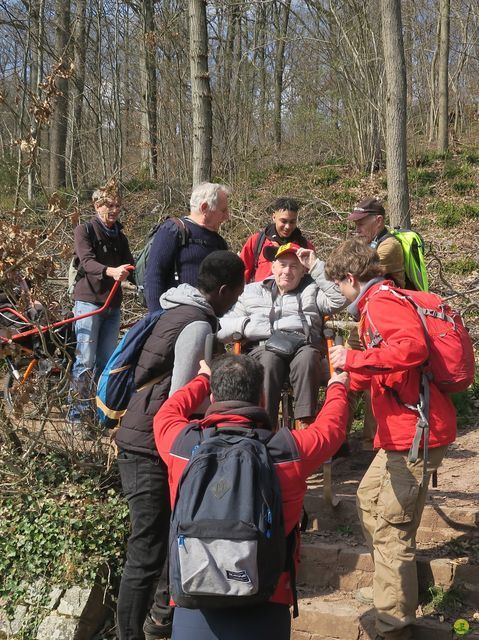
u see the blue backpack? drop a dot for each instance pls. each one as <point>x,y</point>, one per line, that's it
<point>117,381</point>
<point>227,541</point>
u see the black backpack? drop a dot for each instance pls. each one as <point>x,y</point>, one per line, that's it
<point>227,541</point>
<point>184,238</point>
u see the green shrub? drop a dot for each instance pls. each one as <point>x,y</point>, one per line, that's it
<point>61,529</point>
<point>471,211</point>
<point>448,214</point>
<point>327,176</point>
<point>422,182</point>
<point>461,266</point>
<point>351,183</point>
<point>443,601</point>
<point>425,159</point>
<point>463,186</point>
<point>456,170</point>
<point>471,156</point>
<point>140,184</point>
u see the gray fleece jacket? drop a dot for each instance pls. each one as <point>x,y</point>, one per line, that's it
<point>250,317</point>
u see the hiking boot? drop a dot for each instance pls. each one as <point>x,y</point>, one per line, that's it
<point>155,631</point>
<point>365,595</point>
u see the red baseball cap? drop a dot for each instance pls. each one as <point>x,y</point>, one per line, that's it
<point>289,247</point>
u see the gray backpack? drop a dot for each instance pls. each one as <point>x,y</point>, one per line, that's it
<point>227,539</point>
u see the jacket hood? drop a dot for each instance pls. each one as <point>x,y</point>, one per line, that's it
<point>185,294</point>
<point>236,411</point>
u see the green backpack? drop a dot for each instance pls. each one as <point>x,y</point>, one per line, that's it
<point>412,246</point>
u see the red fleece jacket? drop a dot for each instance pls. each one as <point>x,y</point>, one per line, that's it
<point>392,370</point>
<point>296,454</point>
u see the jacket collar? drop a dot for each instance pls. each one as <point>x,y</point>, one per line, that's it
<point>243,413</point>
<point>272,234</point>
<point>355,307</point>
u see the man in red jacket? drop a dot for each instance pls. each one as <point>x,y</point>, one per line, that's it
<point>283,229</point>
<point>236,394</point>
<point>392,494</point>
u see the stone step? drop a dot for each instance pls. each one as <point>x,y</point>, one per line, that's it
<point>337,616</point>
<point>439,523</point>
<point>348,567</point>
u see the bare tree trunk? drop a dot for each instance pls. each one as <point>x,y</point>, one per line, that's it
<point>433,83</point>
<point>37,26</point>
<point>99,88</point>
<point>117,72</point>
<point>77,98</point>
<point>396,101</point>
<point>200,92</point>
<point>59,127</point>
<point>281,28</point>
<point>150,89</point>
<point>442,135</point>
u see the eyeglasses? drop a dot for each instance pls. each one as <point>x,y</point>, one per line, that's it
<point>111,204</point>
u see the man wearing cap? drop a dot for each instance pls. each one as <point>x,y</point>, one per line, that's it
<point>282,230</point>
<point>293,300</point>
<point>369,218</point>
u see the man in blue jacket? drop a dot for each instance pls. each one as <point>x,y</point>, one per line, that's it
<point>172,262</point>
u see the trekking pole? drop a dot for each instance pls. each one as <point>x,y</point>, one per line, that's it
<point>209,348</point>
<point>328,490</point>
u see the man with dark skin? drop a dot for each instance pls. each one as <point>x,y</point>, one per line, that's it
<point>283,229</point>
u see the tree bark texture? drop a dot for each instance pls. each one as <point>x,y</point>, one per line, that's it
<point>59,126</point>
<point>281,13</point>
<point>200,92</point>
<point>396,101</point>
<point>150,89</point>
<point>443,111</point>
<point>79,86</point>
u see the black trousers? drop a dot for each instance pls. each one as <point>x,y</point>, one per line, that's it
<point>144,581</point>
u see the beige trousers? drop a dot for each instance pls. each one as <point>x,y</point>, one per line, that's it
<point>390,502</point>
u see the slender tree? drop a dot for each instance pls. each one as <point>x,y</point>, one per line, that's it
<point>59,126</point>
<point>443,112</point>
<point>78,91</point>
<point>200,92</point>
<point>396,101</point>
<point>281,20</point>
<point>150,88</point>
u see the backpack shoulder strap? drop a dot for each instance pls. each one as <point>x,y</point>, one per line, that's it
<point>256,253</point>
<point>184,233</point>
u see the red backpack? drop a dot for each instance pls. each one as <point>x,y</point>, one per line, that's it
<point>451,361</point>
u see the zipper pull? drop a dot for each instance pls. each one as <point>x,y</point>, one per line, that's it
<point>181,541</point>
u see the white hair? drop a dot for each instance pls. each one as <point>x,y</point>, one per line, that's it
<point>98,194</point>
<point>206,192</point>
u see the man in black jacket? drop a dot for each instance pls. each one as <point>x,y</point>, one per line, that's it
<point>169,359</point>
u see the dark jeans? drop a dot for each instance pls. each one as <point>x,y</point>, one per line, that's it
<point>145,484</point>
<point>263,622</point>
